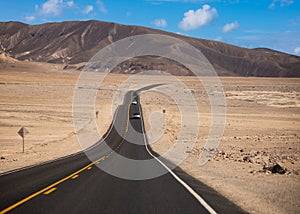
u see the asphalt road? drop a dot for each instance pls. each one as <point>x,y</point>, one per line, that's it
<point>76,185</point>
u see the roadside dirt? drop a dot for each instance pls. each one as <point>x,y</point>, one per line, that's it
<point>262,129</point>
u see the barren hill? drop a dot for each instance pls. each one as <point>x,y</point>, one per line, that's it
<point>74,43</point>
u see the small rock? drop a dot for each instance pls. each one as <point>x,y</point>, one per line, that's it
<point>268,172</point>
<point>242,150</point>
<point>247,159</point>
<point>211,150</point>
<point>277,169</point>
<point>15,159</point>
<point>2,158</point>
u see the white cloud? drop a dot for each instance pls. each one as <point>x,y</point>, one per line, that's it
<point>219,39</point>
<point>88,9</point>
<point>282,3</point>
<point>160,22</point>
<point>297,50</point>
<point>70,3</point>
<point>101,6</point>
<point>183,34</point>
<point>29,18</point>
<point>230,27</point>
<point>52,7</point>
<point>295,21</point>
<point>286,2</point>
<point>272,5</point>
<point>192,1</point>
<point>194,19</point>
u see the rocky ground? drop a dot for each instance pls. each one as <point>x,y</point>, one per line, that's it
<point>256,165</point>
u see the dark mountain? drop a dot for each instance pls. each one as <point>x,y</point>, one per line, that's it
<point>74,43</point>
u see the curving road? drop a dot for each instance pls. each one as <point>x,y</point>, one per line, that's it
<point>75,184</point>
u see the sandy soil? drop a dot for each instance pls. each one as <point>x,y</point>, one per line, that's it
<point>39,100</point>
<point>262,128</point>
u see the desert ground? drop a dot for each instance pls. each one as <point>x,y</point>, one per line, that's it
<point>261,130</point>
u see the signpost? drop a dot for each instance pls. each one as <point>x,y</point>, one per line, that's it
<point>22,132</point>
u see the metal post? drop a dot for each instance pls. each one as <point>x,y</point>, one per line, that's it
<point>23,144</point>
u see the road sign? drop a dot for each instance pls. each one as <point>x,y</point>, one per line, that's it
<point>22,132</point>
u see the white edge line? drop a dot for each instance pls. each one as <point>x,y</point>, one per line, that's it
<point>65,157</point>
<point>185,185</point>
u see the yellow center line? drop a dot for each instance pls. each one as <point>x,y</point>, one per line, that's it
<point>75,176</point>
<point>44,190</point>
<point>51,188</point>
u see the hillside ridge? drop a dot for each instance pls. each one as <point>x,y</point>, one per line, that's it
<point>73,43</point>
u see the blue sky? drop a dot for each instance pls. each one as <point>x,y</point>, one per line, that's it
<point>248,23</point>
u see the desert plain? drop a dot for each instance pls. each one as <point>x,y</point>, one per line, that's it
<point>261,130</point>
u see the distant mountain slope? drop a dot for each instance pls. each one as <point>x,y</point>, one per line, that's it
<point>76,42</point>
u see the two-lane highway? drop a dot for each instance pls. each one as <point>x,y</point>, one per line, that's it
<point>78,184</point>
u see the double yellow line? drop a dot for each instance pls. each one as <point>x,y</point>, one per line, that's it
<point>49,189</point>
<point>46,189</point>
